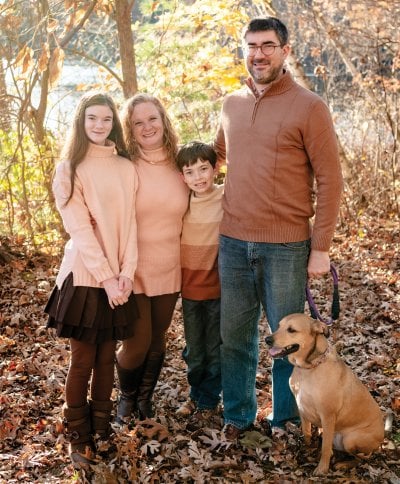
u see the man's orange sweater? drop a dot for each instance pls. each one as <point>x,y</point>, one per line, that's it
<point>274,146</point>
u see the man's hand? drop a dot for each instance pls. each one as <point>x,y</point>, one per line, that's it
<point>318,263</point>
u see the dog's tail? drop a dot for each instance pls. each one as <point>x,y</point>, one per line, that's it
<point>388,422</point>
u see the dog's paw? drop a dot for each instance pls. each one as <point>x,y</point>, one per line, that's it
<point>321,470</point>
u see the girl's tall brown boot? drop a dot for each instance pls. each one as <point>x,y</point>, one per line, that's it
<point>79,433</point>
<point>100,412</point>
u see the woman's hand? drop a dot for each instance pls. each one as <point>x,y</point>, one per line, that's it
<point>126,285</point>
<point>116,296</point>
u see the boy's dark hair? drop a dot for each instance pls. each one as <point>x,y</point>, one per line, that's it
<point>191,152</point>
<point>268,23</point>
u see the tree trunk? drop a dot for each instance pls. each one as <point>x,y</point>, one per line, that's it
<point>123,10</point>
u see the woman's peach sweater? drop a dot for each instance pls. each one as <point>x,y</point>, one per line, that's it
<point>162,200</point>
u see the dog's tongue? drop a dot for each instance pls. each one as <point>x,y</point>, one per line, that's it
<point>274,352</point>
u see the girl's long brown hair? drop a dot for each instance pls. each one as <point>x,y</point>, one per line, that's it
<point>170,138</point>
<point>77,144</point>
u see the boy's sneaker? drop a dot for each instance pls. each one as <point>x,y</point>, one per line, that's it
<point>187,408</point>
<point>209,418</point>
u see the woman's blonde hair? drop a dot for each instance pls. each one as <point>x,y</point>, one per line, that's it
<point>170,138</point>
<point>77,143</point>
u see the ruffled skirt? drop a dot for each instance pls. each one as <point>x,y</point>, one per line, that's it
<point>84,313</point>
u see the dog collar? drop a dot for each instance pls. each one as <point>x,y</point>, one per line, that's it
<point>321,358</point>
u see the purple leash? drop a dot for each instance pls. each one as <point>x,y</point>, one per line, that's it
<point>335,301</point>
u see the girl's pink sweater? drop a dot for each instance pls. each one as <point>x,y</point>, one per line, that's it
<point>105,191</point>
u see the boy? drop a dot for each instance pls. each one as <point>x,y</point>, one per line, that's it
<point>200,284</point>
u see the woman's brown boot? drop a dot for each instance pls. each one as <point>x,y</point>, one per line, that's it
<point>79,433</point>
<point>100,412</point>
<point>128,385</point>
<point>152,368</point>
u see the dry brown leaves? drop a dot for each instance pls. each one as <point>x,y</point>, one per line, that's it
<point>33,366</point>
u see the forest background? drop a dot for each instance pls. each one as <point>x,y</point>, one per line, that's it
<point>188,53</point>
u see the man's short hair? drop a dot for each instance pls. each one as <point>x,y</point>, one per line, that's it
<point>268,23</point>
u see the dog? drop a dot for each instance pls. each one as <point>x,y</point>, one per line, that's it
<point>327,392</point>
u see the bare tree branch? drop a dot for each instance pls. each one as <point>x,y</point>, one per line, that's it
<point>98,62</point>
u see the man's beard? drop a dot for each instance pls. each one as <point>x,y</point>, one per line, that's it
<point>261,78</point>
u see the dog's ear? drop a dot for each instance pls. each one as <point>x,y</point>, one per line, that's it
<point>320,327</point>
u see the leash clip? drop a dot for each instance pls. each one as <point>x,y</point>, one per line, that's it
<point>335,310</point>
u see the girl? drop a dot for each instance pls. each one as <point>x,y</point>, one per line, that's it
<point>92,303</point>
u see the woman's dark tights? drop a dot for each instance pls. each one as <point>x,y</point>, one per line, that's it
<point>149,334</point>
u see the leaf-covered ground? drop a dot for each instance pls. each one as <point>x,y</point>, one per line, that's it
<point>33,366</point>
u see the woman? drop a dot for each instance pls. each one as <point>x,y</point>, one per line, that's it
<point>92,303</point>
<point>162,200</point>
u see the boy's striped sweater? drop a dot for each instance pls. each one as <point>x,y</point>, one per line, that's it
<point>199,246</point>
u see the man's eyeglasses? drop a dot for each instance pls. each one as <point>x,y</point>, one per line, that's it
<point>266,49</point>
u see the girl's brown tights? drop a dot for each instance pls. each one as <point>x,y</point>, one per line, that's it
<point>90,361</point>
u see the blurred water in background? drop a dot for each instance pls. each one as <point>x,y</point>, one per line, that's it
<point>62,100</point>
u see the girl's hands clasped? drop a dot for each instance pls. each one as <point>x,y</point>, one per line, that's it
<point>126,285</point>
<point>117,290</point>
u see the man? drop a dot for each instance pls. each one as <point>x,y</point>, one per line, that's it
<point>276,138</point>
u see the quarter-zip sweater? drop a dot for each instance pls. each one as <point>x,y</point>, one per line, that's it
<point>275,145</point>
<point>105,191</point>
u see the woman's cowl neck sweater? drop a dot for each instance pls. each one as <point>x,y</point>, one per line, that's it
<point>162,201</point>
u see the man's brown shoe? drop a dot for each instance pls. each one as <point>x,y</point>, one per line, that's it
<point>233,433</point>
<point>207,418</point>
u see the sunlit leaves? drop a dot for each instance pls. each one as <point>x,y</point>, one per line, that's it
<point>24,59</point>
<point>27,173</point>
<point>52,25</point>
<point>56,64</point>
<point>33,446</point>
<point>9,21</point>
<point>190,59</point>
<point>44,58</point>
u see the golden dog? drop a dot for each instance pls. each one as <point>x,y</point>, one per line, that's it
<point>327,392</point>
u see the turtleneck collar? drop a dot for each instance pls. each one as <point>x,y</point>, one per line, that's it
<point>283,84</point>
<point>158,156</point>
<point>100,151</point>
<point>207,196</point>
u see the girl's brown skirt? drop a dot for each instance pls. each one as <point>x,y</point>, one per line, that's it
<point>84,313</point>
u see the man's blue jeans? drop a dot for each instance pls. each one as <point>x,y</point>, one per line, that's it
<point>202,352</point>
<point>255,274</point>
